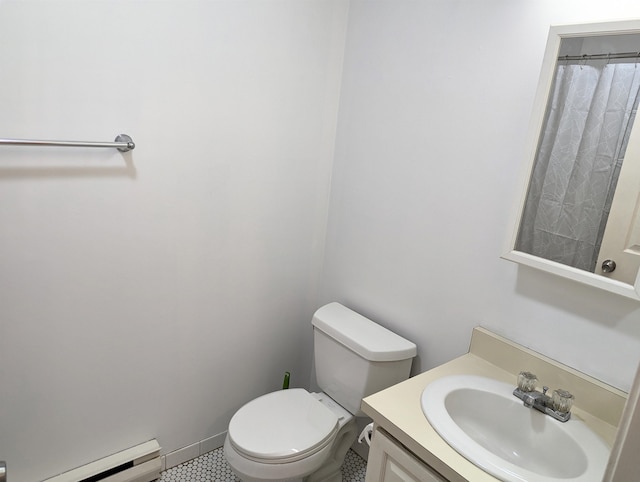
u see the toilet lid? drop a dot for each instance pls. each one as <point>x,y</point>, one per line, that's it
<point>282,426</point>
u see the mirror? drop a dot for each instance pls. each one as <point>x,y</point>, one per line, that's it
<point>579,215</point>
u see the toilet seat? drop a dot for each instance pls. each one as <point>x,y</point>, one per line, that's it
<point>282,426</point>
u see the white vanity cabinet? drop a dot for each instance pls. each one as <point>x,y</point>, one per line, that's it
<point>389,461</point>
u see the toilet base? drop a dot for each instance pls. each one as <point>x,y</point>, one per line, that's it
<point>331,469</point>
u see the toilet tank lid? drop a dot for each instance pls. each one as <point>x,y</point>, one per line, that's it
<point>365,337</point>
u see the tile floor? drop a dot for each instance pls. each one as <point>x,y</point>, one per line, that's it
<point>212,467</point>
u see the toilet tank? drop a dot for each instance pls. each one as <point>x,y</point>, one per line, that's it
<point>355,357</point>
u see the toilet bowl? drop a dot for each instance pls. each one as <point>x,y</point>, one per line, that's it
<point>295,435</point>
<point>288,435</point>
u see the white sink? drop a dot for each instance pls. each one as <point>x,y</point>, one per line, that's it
<point>482,420</point>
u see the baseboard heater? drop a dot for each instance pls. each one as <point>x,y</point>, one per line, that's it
<point>137,464</point>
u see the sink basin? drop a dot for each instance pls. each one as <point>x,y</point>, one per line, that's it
<point>481,419</point>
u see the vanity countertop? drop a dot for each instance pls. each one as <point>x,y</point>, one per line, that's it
<point>398,410</point>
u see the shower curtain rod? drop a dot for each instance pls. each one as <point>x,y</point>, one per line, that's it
<point>123,143</point>
<point>621,55</point>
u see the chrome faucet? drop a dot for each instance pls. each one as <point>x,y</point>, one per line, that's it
<point>558,406</point>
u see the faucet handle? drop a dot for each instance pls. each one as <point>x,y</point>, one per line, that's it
<point>562,401</point>
<point>527,381</point>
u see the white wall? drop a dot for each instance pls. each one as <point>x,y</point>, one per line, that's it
<point>434,113</point>
<point>152,294</point>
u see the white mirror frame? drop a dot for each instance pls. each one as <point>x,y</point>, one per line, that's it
<point>556,34</point>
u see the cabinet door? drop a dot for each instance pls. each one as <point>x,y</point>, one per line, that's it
<point>391,462</point>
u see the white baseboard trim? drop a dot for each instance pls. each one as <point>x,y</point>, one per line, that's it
<point>184,454</point>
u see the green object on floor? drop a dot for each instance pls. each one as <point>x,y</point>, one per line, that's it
<point>285,383</point>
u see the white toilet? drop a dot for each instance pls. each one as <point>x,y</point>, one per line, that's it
<point>294,435</point>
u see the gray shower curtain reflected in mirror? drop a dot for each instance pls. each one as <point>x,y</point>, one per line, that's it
<point>587,126</point>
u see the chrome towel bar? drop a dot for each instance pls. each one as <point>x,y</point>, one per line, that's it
<point>123,143</point>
